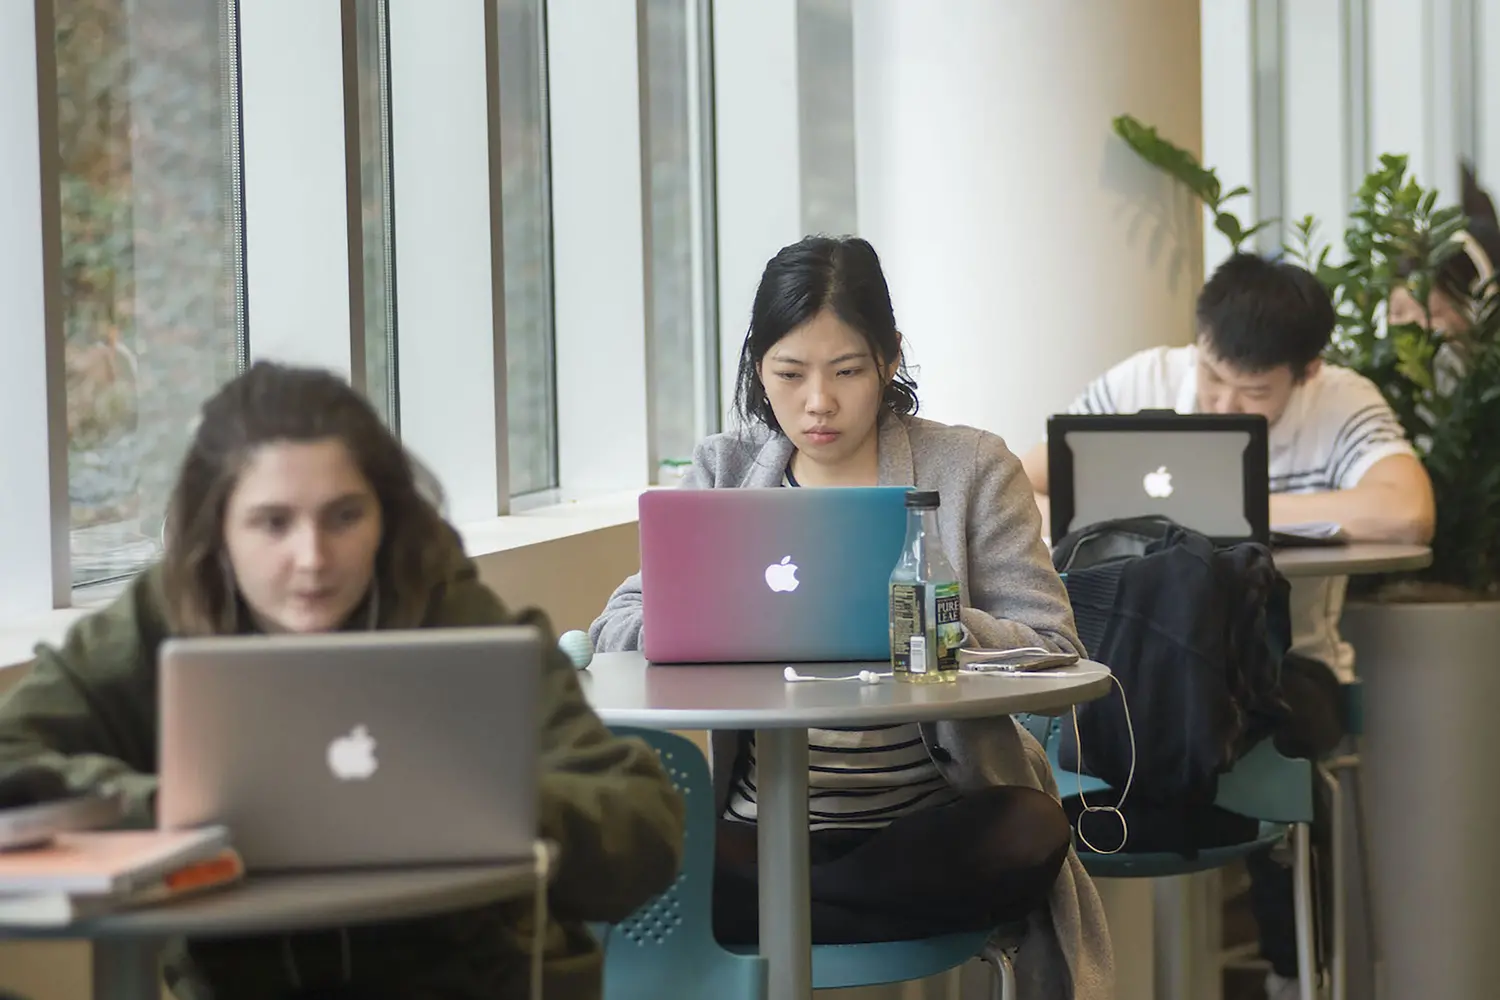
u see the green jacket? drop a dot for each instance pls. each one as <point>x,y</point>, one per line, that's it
<point>89,711</point>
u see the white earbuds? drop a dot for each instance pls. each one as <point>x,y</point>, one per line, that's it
<point>864,676</point>
<point>578,646</point>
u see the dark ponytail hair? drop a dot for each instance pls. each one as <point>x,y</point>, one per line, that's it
<point>816,273</point>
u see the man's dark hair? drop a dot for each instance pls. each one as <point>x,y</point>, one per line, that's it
<point>1258,314</point>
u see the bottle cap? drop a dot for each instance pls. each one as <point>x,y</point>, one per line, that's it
<point>923,500</point>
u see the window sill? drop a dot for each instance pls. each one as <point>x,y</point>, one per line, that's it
<point>537,526</point>
<point>549,523</point>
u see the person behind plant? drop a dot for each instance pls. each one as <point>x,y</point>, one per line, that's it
<point>915,830</point>
<point>1463,279</point>
<point>296,510</point>
<point>1337,453</point>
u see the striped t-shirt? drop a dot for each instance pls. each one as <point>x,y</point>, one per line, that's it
<point>1336,426</point>
<point>857,778</point>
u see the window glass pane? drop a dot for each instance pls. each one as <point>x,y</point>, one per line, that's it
<point>372,72</point>
<point>683,399</point>
<point>530,390</point>
<point>148,258</point>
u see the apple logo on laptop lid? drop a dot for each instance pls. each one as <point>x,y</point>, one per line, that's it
<point>351,757</point>
<point>1158,484</point>
<point>782,577</point>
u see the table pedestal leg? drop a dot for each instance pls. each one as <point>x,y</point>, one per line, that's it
<point>127,969</point>
<point>781,820</point>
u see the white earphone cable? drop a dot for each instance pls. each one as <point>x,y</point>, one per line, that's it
<point>1124,792</point>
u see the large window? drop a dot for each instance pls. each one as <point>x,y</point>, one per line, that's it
<point>530,384</point>
<point>682,365</point>
<point>149,207</point>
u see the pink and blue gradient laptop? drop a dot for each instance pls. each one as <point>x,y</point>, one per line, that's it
<point>766,575</point>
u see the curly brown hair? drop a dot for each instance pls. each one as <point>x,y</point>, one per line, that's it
<point>273,402</point>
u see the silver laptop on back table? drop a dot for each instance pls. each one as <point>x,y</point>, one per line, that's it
<point>1207,472</point>
<point>355,749</point>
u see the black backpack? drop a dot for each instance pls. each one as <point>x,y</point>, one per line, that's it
<point>1195,634</point>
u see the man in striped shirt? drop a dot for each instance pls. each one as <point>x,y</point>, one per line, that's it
<point>1337,454</point>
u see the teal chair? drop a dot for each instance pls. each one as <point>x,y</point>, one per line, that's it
<point>667,947</point>
<point>1262,785</point>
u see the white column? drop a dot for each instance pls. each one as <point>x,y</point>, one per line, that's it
<point>296,198</point>
<point>599,238</point>
<point>1027,248</point>
<point>757,156</point>
<point>34,519</point>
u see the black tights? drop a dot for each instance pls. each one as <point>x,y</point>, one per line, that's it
<point>985,860</point>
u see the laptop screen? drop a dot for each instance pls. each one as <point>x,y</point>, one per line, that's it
<point>1206,472</point>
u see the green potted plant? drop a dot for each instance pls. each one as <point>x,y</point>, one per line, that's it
<point>1444,388</point>
<point>1427,641</point>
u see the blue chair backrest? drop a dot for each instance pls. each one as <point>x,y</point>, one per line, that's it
<point>667,947</point>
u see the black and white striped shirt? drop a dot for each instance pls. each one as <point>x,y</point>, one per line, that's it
<point>857,778</point>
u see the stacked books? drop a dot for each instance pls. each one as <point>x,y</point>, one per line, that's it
<point>87,874</point>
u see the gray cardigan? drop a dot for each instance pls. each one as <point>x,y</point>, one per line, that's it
<point>1012,596</point>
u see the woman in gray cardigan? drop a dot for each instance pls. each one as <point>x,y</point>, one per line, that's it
<point>916,830</point>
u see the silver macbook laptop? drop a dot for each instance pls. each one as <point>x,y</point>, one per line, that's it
<point>1207,472</point>
<point>354,749</point>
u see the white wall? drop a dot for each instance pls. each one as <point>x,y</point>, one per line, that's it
<point>1027,247</point>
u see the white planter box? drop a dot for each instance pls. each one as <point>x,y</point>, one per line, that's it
<point>1432,772</point>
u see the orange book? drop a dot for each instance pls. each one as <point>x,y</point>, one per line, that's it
<point>106,862</point>
<point>58,909</point>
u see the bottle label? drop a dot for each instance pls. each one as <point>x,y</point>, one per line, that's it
<point>906,625</point>
<point>950,630</point>
<point>920,643</point>
<point>917,653</point>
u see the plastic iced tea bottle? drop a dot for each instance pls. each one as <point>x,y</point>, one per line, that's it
<point>924,600</point>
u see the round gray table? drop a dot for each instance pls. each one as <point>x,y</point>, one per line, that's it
<point>624,690</point>
<point>1350,560</point>
<point>127,944</point>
